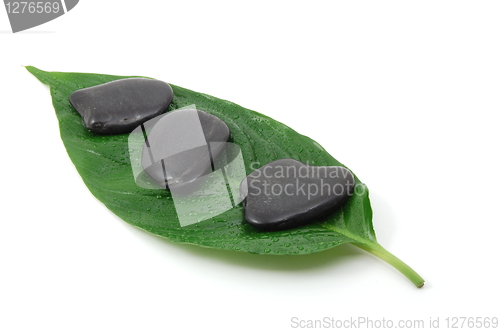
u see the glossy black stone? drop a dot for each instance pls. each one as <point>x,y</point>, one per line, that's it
<point>287,193</point>
<point>120,106</point>
<point>182,146</point>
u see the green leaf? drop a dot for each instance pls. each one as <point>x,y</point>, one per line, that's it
<point>104,165</point>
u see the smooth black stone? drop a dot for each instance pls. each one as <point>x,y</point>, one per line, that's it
<point>120,106</point>
<point>287,193</point>
<point>183,146</point>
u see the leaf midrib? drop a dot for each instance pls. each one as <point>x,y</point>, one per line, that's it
<point>346,233</point>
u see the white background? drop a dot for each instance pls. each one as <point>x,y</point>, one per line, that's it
<point>405,93</point>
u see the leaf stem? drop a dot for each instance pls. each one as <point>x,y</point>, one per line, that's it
<point>379,251</point>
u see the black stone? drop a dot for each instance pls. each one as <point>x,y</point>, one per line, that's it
<point>287,193</point>
<point>120,106</point>
<point>182,146</point>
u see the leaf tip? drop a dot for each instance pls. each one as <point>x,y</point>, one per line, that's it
<point>39,74</point>
<point>32,69</point>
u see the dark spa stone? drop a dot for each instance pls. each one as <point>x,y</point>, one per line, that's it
<point>182,146</point>
<point>120,106</point>
<point>287,193</point>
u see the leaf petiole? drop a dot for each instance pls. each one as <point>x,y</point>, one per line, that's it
<point>379,251</point>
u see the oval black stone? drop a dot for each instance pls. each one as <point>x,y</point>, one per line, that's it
<point>182,146</point>
<point>120,106</point>
<point>287,193</point>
